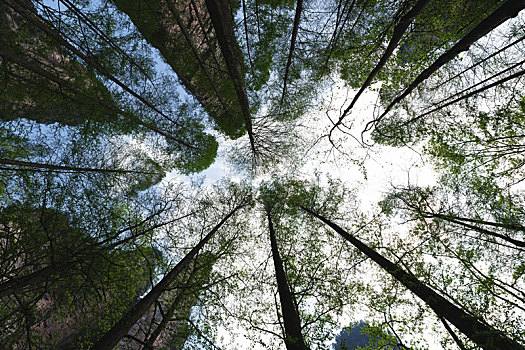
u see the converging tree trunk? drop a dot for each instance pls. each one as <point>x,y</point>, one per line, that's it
<point>121,328</point>
<point>221,18</point>
<point>474,328</point>
<point>297,19</point>
<point>292,324</point>
<point>27,165</point>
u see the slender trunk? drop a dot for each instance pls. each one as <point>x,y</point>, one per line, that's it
<point>175,306</point>
<point>454,336</point>
<point>221,19</point>
<point>515,227</point>
<point>470,94</point>
<point>292,324</point>
<point>509,9</point>
<point>336,34</point>
<point>459,221</point>
<point>247,36</point>
<point>111,338</point>
<point>474,328</point>
<point>168,315</point>
<point>68,168</point>
<point>297,19</point>
<point>500,50</point>
<point>399,31</point>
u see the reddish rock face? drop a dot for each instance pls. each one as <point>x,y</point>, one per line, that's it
<point>183,32</point>
<point>25,51</point>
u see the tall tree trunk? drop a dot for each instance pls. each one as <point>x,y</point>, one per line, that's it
<point>292,324</point>
<point>460,221</point>
<point>166,318</point>
<point>297,19</point>
<point>399,30</point>
<point>221,19</point>
<point>180,305</point>
<point>111,338</point>
<point>474,328</point>
<point>67,168</point>
<point>509,9</point>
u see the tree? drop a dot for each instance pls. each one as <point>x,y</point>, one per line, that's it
<point>99,250</point>
<point>362,335</point>
<point>292,324</point>
<point>480,333</point>
<point>58,87</point>
<point>66,308</point>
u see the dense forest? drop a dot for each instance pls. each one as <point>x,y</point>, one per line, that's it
<point>117,233</point>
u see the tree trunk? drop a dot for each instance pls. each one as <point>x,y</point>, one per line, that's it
<point>111,338</point>
<point>292,324</point>
<point>515,227</point>
<point>459,221</point>
<point>221,18</point>
<point>67,168</point>
<point>180,304</point>
<point>297,19</point>
<point>474,328</point>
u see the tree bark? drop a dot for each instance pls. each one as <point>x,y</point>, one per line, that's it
<point>68,168</point>
<point>474,328</point>
<point>509,9</point>
<point>221,19</point>
<point>297,19</point>
<point>292,324</point>
<point>111,338</point>
<point>459,221</point>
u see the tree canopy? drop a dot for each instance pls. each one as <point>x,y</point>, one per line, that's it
<point>117,233</point>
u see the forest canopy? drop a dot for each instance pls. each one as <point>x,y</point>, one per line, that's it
<point>267,174</point>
